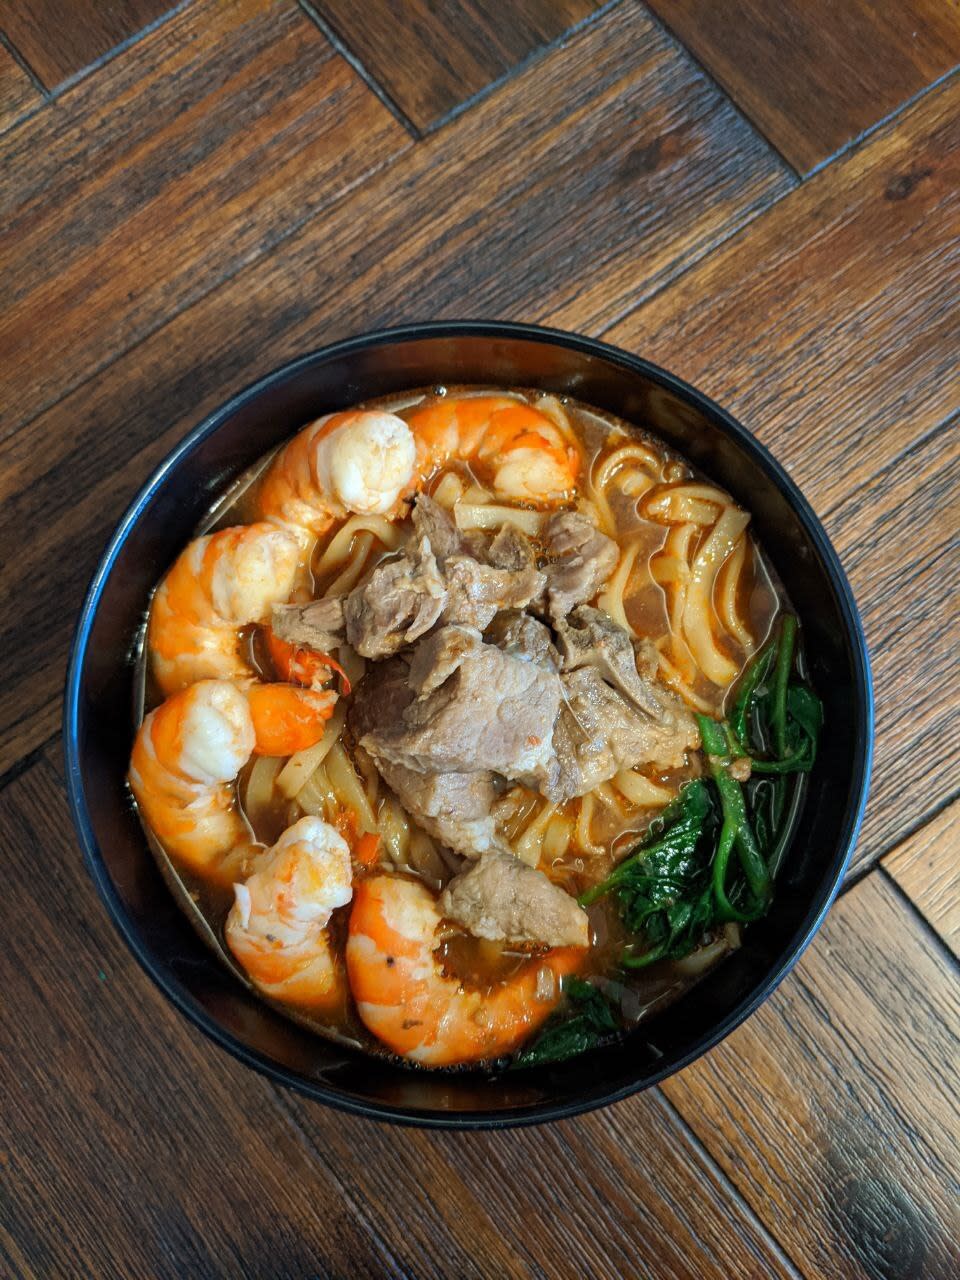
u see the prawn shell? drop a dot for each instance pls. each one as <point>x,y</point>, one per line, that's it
<point>416,1011</point>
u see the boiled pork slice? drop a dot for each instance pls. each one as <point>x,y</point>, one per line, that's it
<point>502,899</point>
<point>523,636</point>
<point>318,625</point>
<point>599,732</point>
<point>477,708</point>
<point>454,808</point>
<point>579,560</point>
<point>397,603</point>
<point>591,638</point>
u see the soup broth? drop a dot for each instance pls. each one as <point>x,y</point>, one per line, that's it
<point>700,604</point>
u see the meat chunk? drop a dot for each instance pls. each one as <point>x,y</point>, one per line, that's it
<point>438,657</point>
<point>502,899</point>
<point>509,549</point>
<point>381,697</point>
<point>400,600</point>
<point>318,625</point>
<point>599,732</point>
<point>522,636</point>
<point>580,559</point>
<point>490,711</point>
<point>455,808</point>
<point>433,522</point>
<point>590,638</point>
<point>434,578</point>
<point>477,592</point>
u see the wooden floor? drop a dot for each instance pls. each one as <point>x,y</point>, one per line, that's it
<point>763,195</point>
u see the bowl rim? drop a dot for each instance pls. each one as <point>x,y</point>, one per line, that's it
<point>862,711</point>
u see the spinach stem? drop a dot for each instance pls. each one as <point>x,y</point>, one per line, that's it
<point>736,830</point>
<point>781,679</point>
<point>792,764</point>
<point>754,675</point>
<point>724,846</point>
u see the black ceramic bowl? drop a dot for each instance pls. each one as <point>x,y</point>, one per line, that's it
<point>98,725</point>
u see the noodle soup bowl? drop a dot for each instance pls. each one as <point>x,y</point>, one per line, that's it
<point>100,698</point>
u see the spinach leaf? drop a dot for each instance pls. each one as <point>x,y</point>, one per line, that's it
<point>587,1021</point>
<point>668,849</point>
<point>773,711</point>
<point>804,719</point>
<point>663,888</point>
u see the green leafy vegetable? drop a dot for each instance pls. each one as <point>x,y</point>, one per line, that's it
<point>781,678</point>
<point>751,683</point>
<point>771,712</point>
<point>668,846</point>
<point>663,888</point>
<point>567,1033</point>
<point>682,881</point>
<point>736,831</point>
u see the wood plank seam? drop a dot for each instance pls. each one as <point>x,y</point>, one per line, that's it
<point>797,80</point>
<point>749,219</point>
<point>532,57</point>
<point>345,52</point>
<point>57,91</point>
<point>853,143</point>
<point>708,75</point>
<point>800,180</point>
<point>952,961</point>
<point>850,145</point>
<point>28,71</point>
<point>736,1195</point>
<point>294,228</point>
<point>854,877</point>
<point>26,761</point>
<point>946,423</point>
<point>269,247</point>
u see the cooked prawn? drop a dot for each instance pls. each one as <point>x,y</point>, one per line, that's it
<point>358,461</point>
<point>218,584</point>
<point>189,751</point>
<point>404,998</point>
<point>528,456</point>
<point>277,926</point>
<point>286,718</point>
<point>299,665</point>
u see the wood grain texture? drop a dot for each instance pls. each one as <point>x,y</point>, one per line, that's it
<point>573,1198</point>
<point>18,95</point>
<point>926,866</point>
<point>545,205</point>
<point>897,536</point>
<point>835,1109</point>
<point>155,179</point>
<point>130,1147</point>
<point>813,74</point>
<point>107,1093</point>
<point>432,55</point>
<point>61,37</point>
<point>520,206</point>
